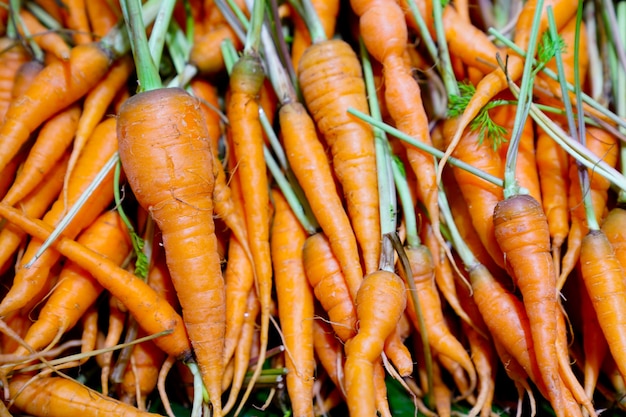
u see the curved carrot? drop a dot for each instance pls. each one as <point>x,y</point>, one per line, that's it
<point>95,105</point>
<point>56,87</point>
<point>61,396</point>
<point>33,205</point>
<point>521,230</point>
<point>330,289</point>
<point>613,228</point>
<point>175,184</point>
<point>311,167</point>
<point>331,80</point>
<point>385,35</point>
<point>380,302</point>
<point>295,304</point>
<point>76,289</point>
<point>440,337</point>
<point>51,144</point>
<point>48,40</point>
<point>153,313</point>
<point>604,145</point>
<point>29,281</point>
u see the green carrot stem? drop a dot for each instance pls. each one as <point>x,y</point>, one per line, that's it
<point>159,29</point>
<point>431,150</point>
<point>511,186</point>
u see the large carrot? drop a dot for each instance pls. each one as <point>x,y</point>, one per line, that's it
<point>153,313</point>
<point>61,396</point>
<point>28,282</point>
<point>175,185</point>
<point>295,304</point>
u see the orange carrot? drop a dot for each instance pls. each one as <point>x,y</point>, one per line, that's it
<point>380,302</point>
<point>152,312</point>
<point>75,19</point>
<point>613,228</point>
<point>12,56</point>
<point>311,167</point>
<point>205,51</point>
<point>24,77</point>
<point>326,279</point>
<point>295,304</point>
<point>51,144</point>
<point>96,103</point>
<point>331,80</point>
<point>48,40</point>
<point>29,281</point>
<point>175,185</point>
<point>102,15</point>
<point>521,230</point>
<point>327,11</point>
<point>61,396</point>
<point>115,329</point>
<point>76,289</point>
<point>56,87</point>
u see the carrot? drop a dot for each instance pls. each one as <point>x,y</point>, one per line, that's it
<point>205,52</point>
<point>324,275</point>
<point>331,80</point>
<point>311,167</point>
<point>153,313</point>
<point>329,352</point>
<point>29,281</point>
<point>34,205</point>
<point>380,302</point>
<point>95,105</point>
<point>521,230</point>
<point>115,328</point>
<point>140,378</point>
<point>605,281</point>
<point>24,77</point>
<point>56,87</point>
<point>481,196</point>
<point>51,143</point>
<point>295,304</point>
<point>242,110</point>
<point>61,396</point>
<point>77,290</point>
<point>12,56</point>
<point>553,168</point>
<point>175,185</point>
<point>613,228</point>
<point>51,7</point>
<point>496,81</point>
<point>103,15</point>
<point>604,145</point>
<point>244,349</point>
<point>385,35</point>
<point>48,40</point>
<point>327,11</point>
<point>75,18</point>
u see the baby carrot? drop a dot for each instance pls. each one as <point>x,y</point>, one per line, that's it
<point>295,305</point>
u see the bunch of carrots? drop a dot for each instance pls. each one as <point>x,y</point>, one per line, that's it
<point>312,207</point>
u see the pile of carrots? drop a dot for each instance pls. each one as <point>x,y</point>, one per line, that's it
<point>312,207</point>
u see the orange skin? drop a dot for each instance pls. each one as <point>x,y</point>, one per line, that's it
<point>11,59</point>
<point>51,144</point>
<point>102,15</point>
<point>331,81</point>
<point>153,313</point>
<point>77,290</point>
<point>58,85</point>
<point>75,18</point>
<point>295,304</point>
<point>175,185</point>
<point>380,302</point>
<point>57,396</point>
<point>521,230</point>
<point>325,277</point>
<point>308,160</point>
<point>29,281</point>
<point>47,40</point>
<point>34,205</point>
<point>613,228</point>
